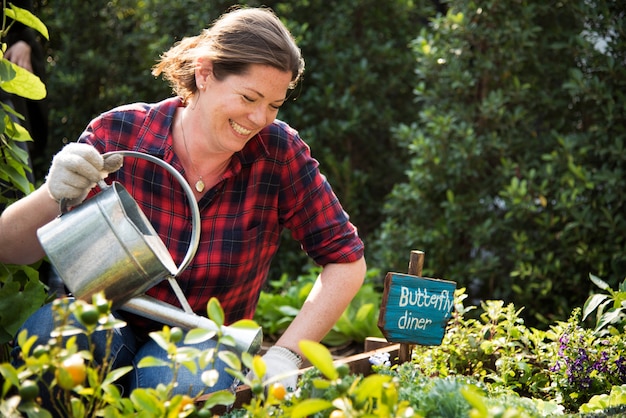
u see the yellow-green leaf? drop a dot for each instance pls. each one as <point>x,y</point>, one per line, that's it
<point>26,17</point>
<point>372,386</point>
<point>320,357</point>
<point>231,359</point>
<point>259,367</point>
<point>147,403</point>
<point>222,397</point>
<point>25,84</point>
<point>215,312</point>
<point>115,374</point>
<point>198,335</point>
<point>152,362</point>
<point>309,407</point>
<point>245,324</point>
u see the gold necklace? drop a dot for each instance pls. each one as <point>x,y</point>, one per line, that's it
<point>199,184</point>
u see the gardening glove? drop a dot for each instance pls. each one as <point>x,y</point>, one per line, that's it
<point>76,169</point>
<point>281,361</point>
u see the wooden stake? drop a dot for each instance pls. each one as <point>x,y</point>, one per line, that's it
<point>416,263</point>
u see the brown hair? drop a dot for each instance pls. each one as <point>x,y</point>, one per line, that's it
<point>236,40</point>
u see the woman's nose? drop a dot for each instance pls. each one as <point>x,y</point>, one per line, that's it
<point>259,116</point>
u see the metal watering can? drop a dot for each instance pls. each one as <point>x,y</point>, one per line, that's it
<point>108,244</point>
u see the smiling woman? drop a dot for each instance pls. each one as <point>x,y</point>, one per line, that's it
<point>253,175</point>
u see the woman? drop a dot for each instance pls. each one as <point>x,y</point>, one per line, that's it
<point>252,176</point>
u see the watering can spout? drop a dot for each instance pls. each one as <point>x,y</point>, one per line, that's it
<point>246,339</point>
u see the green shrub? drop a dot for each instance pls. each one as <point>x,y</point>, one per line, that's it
<point>83,388</point>
<point>21,292</point>
<point>281,301</point>
<point>515,186</point>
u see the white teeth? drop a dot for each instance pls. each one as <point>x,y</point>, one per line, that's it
<point>240,129</point>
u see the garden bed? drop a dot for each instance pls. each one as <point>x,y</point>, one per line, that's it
<point>359,363</point>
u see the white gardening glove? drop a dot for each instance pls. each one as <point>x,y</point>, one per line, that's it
<point>281,361</point>
<point>76,169</point>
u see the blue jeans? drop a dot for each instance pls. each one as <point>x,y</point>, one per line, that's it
<point>126,350</point>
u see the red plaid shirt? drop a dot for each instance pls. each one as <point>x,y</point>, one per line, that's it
<point>273,183</point>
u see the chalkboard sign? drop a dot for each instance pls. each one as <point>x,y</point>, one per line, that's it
<point>414,309</point>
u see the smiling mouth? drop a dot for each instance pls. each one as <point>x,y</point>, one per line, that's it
<point>240,129</point>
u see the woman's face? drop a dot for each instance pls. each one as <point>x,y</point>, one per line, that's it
<point>230,112</point>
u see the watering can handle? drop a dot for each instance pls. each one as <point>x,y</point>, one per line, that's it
<point>195,212</point>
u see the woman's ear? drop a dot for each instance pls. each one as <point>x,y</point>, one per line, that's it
<point>204,70</point>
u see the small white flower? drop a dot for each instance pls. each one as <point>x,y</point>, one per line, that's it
<point>380,359</point>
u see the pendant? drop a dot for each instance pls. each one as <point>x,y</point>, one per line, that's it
<point>200,186</point>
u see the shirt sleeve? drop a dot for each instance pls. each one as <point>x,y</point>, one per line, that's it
<point>313,213</point>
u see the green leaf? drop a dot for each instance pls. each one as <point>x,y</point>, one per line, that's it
<point>599,282</point>
<point>26,17</point>
<point>245,324</point>
<point>215,311</point>
<point>222,397</point>
<point>198,335</point>
<point>287,310</point>
<point>20,297</point>
<point>147,403</point>
<point>160,340</point>
<point>247,359</point>
<point>153,362</point>
<point>115,374</point>
<point>309,407</point>
<point>592,303</point>
<point>610,316</point>
<point>24,84</point>
<point>259,368</point>
<point>7,70</point>
<point>474,398</point>
<point>320,357</point>
<point>231,359</point>
<point>372,386</point>
<point>10,374</point>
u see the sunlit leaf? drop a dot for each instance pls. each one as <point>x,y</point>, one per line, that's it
<point>592,303</point>
<point>147,403</point>
<point>160,340</point>
<point>151,361</point>
<point>372,386</point>
<point>26,17</point>
<point>24,84</point>
<point>215,311</point>
<point>245,324</point>
<point>10,374</point>
<point>198,335</point>
<point>115,374</point>
<point>309,407</point>
<point>230,358</point>
<point>259,367</point>
<point>320,357</point>
<point>222,397</point>
<point>599,282</point>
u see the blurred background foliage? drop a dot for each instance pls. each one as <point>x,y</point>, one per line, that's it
<point>489,135</point>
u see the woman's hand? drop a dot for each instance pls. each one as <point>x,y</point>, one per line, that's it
<point>75,171</point>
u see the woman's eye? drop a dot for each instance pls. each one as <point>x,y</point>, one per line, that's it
<point>248,99</point>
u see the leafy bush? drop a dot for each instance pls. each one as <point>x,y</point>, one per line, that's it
<point>610,308</point>
<point>281,302</point>
<point>82,388</point>
<point>488,367</point>
<point>568,364</point>
<point>21,292</point>
<point>515,184</point>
